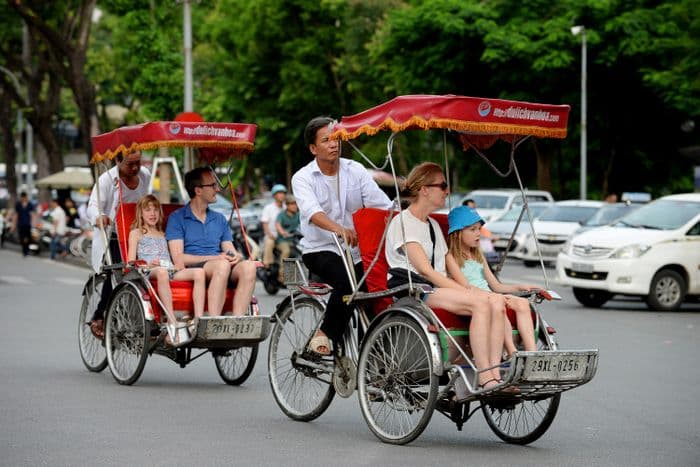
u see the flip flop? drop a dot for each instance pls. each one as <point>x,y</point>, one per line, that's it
<point>318,342</point>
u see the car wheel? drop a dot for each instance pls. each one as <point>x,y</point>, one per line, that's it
<point>667,291</point>
<point>592,298</point>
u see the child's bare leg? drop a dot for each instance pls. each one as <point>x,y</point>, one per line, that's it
<point>523,318</point>
<point>164,293</point>
<point>508,334</point>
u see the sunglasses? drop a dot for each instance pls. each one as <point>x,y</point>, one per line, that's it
<point>442,186</point>
<point>210,185</point>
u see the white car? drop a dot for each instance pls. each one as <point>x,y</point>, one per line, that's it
<point>491,204</point>
<point>502,228</point>
<point>653,252</point>
<point>554,227</point>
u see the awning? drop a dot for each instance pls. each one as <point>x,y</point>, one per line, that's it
<point>71,177</point>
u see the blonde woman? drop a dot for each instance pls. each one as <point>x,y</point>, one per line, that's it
<point>425,247</point>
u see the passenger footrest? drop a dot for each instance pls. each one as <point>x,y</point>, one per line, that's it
<point>542,374</point>
<point>231,331</point>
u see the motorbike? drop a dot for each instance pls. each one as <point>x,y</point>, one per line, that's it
<point>270,276</point>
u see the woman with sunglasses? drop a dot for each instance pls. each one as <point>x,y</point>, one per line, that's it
<point>426,250</point>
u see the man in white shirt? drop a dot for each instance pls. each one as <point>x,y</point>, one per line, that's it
<point>328,191</point>
<point>58,227</point>
<point>126,182</point>
<point>268,219</point>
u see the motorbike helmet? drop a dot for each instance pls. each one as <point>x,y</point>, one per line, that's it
<point>278,188</point>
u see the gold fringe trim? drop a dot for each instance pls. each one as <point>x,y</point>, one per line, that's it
<point>458,125</point>
<point>242,148</point>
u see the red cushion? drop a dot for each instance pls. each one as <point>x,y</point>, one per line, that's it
<point>182,298</point>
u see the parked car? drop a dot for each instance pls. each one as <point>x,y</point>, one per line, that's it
<point>607,214</point>
<point>503,227</point>
<point>554,227</point>
<point>491,204</point>
<point>653,252</point>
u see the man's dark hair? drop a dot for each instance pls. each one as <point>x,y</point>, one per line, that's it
<point>312,128</point>
<point>467,201</point>
<point>23,194</point>
<point>193,179</point>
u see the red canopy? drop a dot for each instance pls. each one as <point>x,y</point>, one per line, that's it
<point>217,141</point>
<point>480,121</point>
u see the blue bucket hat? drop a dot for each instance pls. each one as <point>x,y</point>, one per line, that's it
<point>461,217</point>
<point>278,188</point>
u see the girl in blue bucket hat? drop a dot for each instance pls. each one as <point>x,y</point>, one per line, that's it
<point>463,245</point>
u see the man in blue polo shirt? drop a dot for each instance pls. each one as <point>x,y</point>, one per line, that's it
<point>200,237</point>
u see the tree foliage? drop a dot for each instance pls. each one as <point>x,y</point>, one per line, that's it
<point>278,63</point>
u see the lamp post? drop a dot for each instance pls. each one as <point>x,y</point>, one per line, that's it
<point>187,44</point>
<point>29,147</point>
<point>576,30</point>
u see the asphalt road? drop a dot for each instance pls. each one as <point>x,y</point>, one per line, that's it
<point>640,410</point>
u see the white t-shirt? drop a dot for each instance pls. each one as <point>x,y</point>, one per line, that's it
<point>58,219</point>
<point>416,231</point>
<point>269,215</point>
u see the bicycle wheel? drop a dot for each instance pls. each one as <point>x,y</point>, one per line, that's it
<point>92,350</point>
<point>397,386</point>
<point>235,365</point>
<point>303,393</point>
<point>127,334</point>
<point>519,421</point>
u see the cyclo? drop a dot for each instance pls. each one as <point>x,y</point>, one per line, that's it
<point>134,321</point>
<point>399,354</point>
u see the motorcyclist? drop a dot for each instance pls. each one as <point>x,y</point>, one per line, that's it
<point>268,219</point>
<point>287,226</point>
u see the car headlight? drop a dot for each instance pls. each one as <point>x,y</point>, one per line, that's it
<point>630,251</point>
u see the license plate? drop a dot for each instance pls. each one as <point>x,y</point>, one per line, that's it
<point>228,328</point>
<point>581,267</point>
<point>550,250</point>
<point>556,368</point>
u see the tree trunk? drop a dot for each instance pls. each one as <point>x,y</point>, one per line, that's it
<point>544,168</point>
<point>9,148</point>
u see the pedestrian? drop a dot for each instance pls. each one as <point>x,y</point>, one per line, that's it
<point>328,190</point>
<point>22,221</point>
<point>58,221</point>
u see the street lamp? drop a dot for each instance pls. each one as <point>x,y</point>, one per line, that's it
<point>576,30</point>
<point>29,148</point>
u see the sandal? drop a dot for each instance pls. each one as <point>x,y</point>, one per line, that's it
<point>97,328</point>
<point>318,342</point>
<point>483,385</point>
<point>177,335</point>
